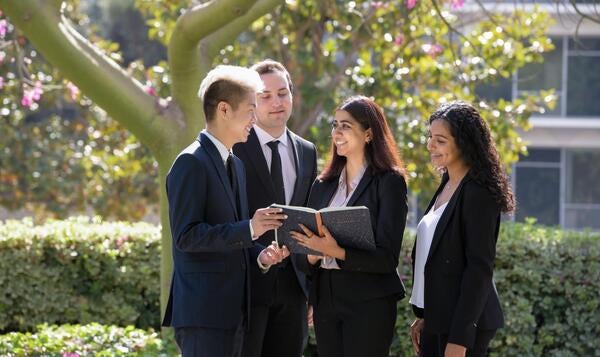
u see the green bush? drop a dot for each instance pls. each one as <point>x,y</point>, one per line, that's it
<point>78,271</point>
<point>87,340</point>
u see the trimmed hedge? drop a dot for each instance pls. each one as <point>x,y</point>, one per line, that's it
<point>87,340</point>
<point>78,271</point>
<point>549,285</point>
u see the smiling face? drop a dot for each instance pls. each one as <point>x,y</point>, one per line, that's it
<point>241,119</point>
<point>348,136</point>
<point>441,145</point>
<point>274,104</point>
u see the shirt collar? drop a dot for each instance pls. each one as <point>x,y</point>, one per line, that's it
<point>219,145</point>
<point>264,137</point>
<point>356,181</point>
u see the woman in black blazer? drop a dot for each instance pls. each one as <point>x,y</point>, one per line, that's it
<point>354,292</point>
<point>454,296</point>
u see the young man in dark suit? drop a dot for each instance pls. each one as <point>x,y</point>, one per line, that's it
<point>213,239</point>
<point>280,168</point>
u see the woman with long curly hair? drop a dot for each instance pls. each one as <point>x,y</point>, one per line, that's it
<point>454,295</point>
<point>354,292</point>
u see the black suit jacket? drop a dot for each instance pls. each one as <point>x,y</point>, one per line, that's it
<point>364,274</point>
<point>211,240</point>
<point>460,294</point>
<point>262,194</point>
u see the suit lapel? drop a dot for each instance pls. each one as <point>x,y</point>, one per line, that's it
<point>243,203</point>
<point>298,159</point>
<point>257,159</point>
<point>448,212</point>
<point>217,161</point>
<point>328,191</point>
<point>362,185</point>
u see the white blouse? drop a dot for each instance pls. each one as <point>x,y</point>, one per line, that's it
<point>425,231</point>
<point>340,199</point>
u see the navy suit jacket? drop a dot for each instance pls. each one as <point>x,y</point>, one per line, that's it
<point>262,194</point>
<point>366,275</point>
<point>212,245</point>
<point>460,294</point>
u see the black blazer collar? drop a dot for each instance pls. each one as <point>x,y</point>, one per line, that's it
<point>217,160</point>
<point>331,188</point>
<point>448,211</point>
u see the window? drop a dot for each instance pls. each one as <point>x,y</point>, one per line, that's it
<point>559,186</point>
<point>571,69</point>
<point>583,83</point>
<point>537,186</point>
<point>582,189</point>
<point>546,75</point>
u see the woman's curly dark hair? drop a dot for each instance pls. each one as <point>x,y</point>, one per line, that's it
<point>477,149</point>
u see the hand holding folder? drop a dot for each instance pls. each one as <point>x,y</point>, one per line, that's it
<point>349,226</point>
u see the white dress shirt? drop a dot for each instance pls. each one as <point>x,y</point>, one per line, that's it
<point>340,199</point>
<point>425,231</point>
<point>286,152</point>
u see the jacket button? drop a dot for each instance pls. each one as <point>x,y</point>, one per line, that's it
<point>447,261</point>
<point>474,324</point>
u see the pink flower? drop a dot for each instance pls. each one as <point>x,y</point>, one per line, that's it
<point>149,89</point>
<point>432,50</point>
<point>377,4</point>
<point>73,90</point>
<point>457,4</point>
<point>1,82</point>
<point>410,4</point>
<point>3,28</point>
<point>37,91</point>
<point>27,99</point>
<point>121,240</point>
<point>32,95</point>
<point>399,40</point>
<point>69,354</point>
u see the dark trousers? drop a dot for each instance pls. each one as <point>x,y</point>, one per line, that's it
<point>434,345</point>
<point>346,328</point>
<point>210,342</point>
<point>279,328</point>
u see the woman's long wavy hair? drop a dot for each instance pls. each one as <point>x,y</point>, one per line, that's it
<point>381,152</point>
<point>474,141</point>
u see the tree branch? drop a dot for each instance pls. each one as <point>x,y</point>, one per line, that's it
<point>100,78</point>
<point>216,41</point>
<point>216,21</point>
<point>582,14</point>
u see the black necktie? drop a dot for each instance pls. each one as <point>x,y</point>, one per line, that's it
<point>232,179</point>
<point>276,173</point>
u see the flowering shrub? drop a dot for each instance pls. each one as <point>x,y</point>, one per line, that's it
<point>85,340</point>
<point>79,271</point>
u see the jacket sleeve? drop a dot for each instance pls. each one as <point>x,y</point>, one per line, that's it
<point>187,195</point>
<point>389,229</point>
<point>480,219</point>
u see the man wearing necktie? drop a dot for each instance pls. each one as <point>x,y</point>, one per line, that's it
<point>280,168</point>
<point>213,239</point>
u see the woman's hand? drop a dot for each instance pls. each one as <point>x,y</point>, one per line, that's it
<point>325,244</point>
<point>313,259</point>
<point>454,350</point>
<point>415,334</point>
